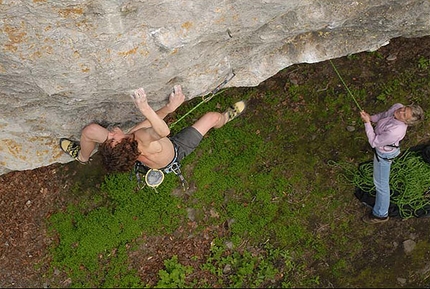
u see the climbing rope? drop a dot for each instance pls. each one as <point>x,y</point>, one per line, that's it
<point>349,91</point>
<point>411,178</point>
<point>409,182</point>
<point>217,90</point>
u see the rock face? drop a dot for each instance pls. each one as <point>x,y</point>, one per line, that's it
<point>66,63</point>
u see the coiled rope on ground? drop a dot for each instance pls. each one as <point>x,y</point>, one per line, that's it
<point>409,182</point>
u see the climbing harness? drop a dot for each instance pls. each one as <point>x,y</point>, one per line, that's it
<point>175,167</point>
<point>378,157</point>
<point>146,176</point>
<point>349,91</point>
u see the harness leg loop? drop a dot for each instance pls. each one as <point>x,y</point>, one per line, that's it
<point>176,169</point>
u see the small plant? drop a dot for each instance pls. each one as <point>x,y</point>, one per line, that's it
<point>174,274</point>
<point>377,54</point>
<point>388,90</point>
<point>352,56</point>
<point>423,63</point>
<point>239,269</point>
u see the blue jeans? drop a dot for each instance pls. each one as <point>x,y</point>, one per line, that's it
<point>381,179</point>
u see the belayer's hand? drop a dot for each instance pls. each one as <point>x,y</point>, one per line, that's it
<point>365,116</point>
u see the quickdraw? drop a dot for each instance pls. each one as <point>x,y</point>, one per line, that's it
<point>214,92</point>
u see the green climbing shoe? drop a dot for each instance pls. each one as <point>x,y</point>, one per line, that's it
<point>71,148</point>
<point>235,110</point>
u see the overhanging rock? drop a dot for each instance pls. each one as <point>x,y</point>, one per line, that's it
<point>66,63</point>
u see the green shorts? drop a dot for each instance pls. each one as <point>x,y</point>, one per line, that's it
<point>186,141</point>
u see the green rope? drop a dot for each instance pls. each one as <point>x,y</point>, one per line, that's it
<point>409,179</point>
<point>195,107</point>
<point>349,91</point>
<point>213,93</point>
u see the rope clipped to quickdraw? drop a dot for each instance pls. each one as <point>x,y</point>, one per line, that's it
<point>409,182</point>
<point>217,90</point>
<point>343,82</point>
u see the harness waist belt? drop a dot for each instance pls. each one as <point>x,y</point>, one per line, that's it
<point>174,165</point>
<point>378,157</point>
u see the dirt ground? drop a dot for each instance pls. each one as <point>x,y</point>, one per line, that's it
<point>28,198</point>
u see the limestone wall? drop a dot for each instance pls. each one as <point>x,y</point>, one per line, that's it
<point>66,63</point>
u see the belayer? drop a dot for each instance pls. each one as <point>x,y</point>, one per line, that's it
<point>147,142</point>
<point>390,128</point>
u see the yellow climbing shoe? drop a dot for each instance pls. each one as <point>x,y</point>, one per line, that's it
<point>71,148</point>
<point>235,110</point>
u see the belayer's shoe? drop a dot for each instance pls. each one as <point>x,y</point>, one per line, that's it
<point>235,110</point>
<point>372,219</point>
<point>71,148</point>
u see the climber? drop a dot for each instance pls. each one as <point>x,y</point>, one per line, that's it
<point>148,141</point>
<point>390,129</point>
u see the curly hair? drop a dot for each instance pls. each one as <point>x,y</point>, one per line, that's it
<point>121,157</point>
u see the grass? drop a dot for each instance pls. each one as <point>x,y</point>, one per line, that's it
<point>270,175</point>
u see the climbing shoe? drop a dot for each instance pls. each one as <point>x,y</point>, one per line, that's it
<point>372,219</point>
<point>235,110</point>
<point>71,148</point>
